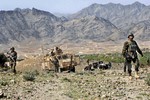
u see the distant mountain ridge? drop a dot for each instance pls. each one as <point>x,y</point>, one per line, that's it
<point>109,22</point>
<point>21,24</point>
<point>123,16</point>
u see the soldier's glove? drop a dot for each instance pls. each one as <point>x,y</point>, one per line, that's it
<point>142,55</point>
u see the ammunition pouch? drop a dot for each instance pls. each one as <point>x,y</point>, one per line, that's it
<point>128,58</point>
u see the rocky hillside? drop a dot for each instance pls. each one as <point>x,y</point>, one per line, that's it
<point>88,28</point>
<point>99,84</point>
<point>141,30</point>
<point>109,22</point>
<point>123,16</point>
<point>22,24</point>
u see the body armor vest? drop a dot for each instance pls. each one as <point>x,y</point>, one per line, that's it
<point>132,47</point>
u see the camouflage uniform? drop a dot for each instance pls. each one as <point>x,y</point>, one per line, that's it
<point>58,51</point>
<point>52,53</point>
<point>129,52</point>
<point>55,62</point>
<point>13,57</point>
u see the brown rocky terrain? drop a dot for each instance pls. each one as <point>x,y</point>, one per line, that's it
<point>93,85</point>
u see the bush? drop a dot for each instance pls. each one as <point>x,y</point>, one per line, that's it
<point>144,60</point>
<point>3,59</point>
<point>29,76</point>
<point>66,80</point>
<point>147,80</point>
<point>3,82</point>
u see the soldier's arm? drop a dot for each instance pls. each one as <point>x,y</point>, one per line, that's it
<point>14,55</point>
<point>125,47</point>
<point>139,50</point>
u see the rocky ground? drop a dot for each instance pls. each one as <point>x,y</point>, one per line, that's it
<point>109,84</point>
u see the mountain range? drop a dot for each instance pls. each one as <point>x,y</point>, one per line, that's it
<point>123,16</point>
<point>109,22</point>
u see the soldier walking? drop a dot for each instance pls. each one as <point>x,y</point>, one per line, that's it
<point>13,58</point>
<point>129,52</point>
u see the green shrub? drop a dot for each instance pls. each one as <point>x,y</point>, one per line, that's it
<point>3,82</point>
<point>66,80</point>
<point>29,76</point>
<point>147,80</point>
<point>144,60</point>
<point>3,59</point>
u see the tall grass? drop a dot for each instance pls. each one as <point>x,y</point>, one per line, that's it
<point>144,60</point>
<point>147,80</point>
<point>115,57</point>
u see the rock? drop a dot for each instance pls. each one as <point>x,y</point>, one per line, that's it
<point>12,81</point>
<point>103,96</point>
<point>97,98</point>
<point>1,93</point>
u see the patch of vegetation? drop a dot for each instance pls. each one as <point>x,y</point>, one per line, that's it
<point>116,57</point>
<point>44,76</point>
<point>30,76</point>
<point>76,93</point>
<point>3,82</point>
<point>3,59</point>
<point>144,60</point>
<point>51,74</point>
<point>66,79</point>
<point>147,80</point>
<point>35,72</point>
<point>139,97</point>
<point>145,94</point>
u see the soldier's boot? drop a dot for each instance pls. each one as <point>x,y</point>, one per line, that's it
<point>130,76</point>
<point>136,75</point>
<point>14,71</point>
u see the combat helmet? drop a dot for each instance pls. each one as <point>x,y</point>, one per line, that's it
<point>12,48</point>
<point>131,34</point>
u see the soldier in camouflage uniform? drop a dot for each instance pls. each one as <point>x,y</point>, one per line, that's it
<point>58,51</point>
<point>129,52</point>
<point>56,63</point>
<point>13,58</point>
<point>54,60</point>
<point>52,53</point>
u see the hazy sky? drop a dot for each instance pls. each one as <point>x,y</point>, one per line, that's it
<point>60,6</point>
